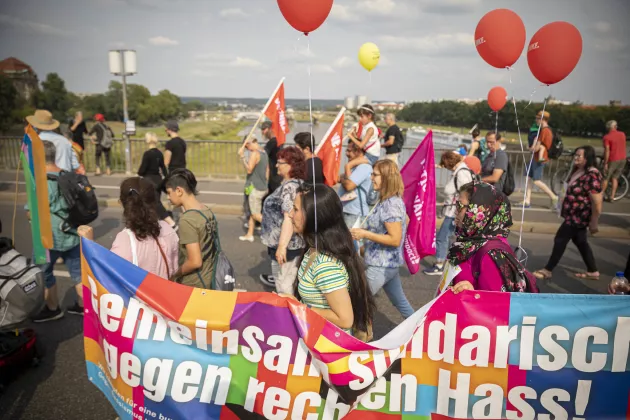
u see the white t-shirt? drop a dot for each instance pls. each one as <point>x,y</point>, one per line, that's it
<point>373,145</point>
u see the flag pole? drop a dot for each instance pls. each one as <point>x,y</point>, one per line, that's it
<point>262,114</point>
<point>332,126</point>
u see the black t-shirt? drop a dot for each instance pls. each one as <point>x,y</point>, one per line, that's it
<point>319,170</point>
<point>177,147</point>
<point>398,140</point>
<point>77,134</point>
<point>271,148</point>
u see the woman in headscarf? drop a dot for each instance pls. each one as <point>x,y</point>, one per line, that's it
<point>481,249</point>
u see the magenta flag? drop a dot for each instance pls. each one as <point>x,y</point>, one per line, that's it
<point>419,178</point>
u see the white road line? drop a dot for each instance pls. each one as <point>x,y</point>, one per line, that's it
<point>111,187</point>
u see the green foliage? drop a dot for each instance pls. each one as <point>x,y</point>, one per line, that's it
<point>8,102</point>
<point>574,120</point>
<point>53,96</point>
<point>193,106</point>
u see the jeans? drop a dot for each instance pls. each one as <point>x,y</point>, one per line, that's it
<point>101,150</point>
<point>579,236</point>
<point>443,238</point>
<point>389,279</point>
<point>72,260</point>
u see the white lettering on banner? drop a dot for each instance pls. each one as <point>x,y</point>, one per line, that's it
<point>281,118</point>
<point>480,41</point>
<point>411,251</point>
<point>336,144</point>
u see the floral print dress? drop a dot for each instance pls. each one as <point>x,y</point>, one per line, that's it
<point>577,208</point>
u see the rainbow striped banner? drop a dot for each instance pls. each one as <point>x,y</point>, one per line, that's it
<point>34,166</point>
<point>160,350</point>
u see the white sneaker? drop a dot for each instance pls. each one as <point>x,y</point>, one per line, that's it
<point>246,238</point>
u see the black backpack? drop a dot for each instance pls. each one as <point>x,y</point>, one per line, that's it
<point>473,175</point>
<point>80,198</point>
<point>556,149</point>
<point>509,185</point>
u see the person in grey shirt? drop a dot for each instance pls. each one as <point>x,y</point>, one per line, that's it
<point>494,168</point>
<point>257,166</point>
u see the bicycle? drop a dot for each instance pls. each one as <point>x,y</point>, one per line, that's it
<point>561,174</point>
<point>623,184</point>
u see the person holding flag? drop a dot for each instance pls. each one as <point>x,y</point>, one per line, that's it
<point>305,142</point>
<point>271,148</point>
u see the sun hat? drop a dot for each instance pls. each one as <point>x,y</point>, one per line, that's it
<point>43,120</point>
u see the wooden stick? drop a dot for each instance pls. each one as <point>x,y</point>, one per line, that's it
<point>262,114</point>
<point>334,123</point>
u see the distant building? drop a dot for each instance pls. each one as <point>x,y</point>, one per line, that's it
<point>362,100</point>
<point>22,75</point>
<point>389,106</point>
<point>350,102</point>
<point>615,103</point>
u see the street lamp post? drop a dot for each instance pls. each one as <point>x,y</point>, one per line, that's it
<point>123,63</point>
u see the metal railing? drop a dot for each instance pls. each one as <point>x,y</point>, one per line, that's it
<point>219,159</point>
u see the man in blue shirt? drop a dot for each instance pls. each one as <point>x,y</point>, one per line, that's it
<point>65,245</point>
<point>355,185</point>
<point>44,124</point>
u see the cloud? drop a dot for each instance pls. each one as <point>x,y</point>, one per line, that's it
<point>34,27</point>
<point>449,7</point>
<point>342,62</point>
<point>218,60</point>
<point>376,7</point>
<point>162,41</point>
<point>609,45</point>
<point>459,43</point>
<point>322,69</point>
<point>233,13</point>
<point>203,73</point>
<point>343,14</point>
<point>602,26</point>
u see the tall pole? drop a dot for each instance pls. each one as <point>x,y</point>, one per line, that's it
<point>126,116</point>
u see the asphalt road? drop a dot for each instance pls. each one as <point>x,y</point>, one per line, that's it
<point>59,388</point>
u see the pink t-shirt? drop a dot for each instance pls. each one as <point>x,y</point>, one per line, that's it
<point>149,255</point>
<point>489,279</point>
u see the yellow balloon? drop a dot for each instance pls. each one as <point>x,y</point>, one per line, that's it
<point>369,55</point>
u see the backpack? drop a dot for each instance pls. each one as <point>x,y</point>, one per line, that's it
<point>107,141</point>
<point>509,185</point>
<point>80,198</point>
<point>556,149</point>
<point>21,286</point>
<point>475,177</point>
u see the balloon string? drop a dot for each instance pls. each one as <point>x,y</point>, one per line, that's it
<point>310,112</point>
<point>531,96</point>
<point>496,123</point>
<point>370,88</point>
<point>531,160</point>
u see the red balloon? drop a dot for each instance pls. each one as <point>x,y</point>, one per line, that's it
<point>305,15</point>
<point>500,38</point>
<point>554,51</point>
<point>497,97</point>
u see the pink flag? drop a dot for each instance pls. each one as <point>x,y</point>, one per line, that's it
<point>419,178</point>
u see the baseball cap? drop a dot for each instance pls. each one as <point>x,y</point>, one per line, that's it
<point>172,126</point>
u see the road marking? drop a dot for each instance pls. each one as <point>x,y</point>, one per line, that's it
<point>111,187</point>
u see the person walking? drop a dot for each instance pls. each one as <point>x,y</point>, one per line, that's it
<point>175,154</point>
<point>153,169</point>
<point>495,165</point>
<point>272,149</point>
<point>615,156</point>
<point>581,208</point>
<point>284,246</point>
<point>540,148</point>
<point>394,139</point>
<point>305,141</point>
<point>461,176</point>
<point>146,241</point>
<point>44,124</point>
<point>384,236</point>
<point>103,138</point>
<point>257,167</point>
<point>354,186</point>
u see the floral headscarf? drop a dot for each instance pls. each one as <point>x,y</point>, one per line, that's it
<point>488,216</point>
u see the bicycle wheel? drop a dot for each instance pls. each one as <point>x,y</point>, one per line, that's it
<point>622,188</point>
<point>557,182</point>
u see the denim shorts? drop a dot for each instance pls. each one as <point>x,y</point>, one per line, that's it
<point>71,259</point>
<point>371,158</point>
<point>536,171</point>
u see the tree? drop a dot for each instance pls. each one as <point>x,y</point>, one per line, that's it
<point>167,105</point>
<point>53,96</point>
<point>8,102</point>
<point>193,106</point>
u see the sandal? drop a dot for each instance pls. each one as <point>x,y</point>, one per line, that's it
<point>541,275</point>
<point>586,276</point>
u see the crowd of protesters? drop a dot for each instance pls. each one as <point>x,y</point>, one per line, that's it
<point>332,249</point>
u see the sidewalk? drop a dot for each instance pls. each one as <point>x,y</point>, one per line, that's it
<point>226,197</point>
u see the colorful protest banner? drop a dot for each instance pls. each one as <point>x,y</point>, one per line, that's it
<point>275,111</point>
<point>329,150</point>
<point>34,166</point>
<point>419,178</point>
<point>161,350</point>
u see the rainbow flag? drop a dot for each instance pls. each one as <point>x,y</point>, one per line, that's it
<point>161,350</point>
<point>34,165</point>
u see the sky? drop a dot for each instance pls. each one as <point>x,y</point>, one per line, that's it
<point>241,48</point>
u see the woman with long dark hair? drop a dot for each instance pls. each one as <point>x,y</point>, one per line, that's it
<point>146,241</point>
<point>581,209</point>
<point>331,278</point>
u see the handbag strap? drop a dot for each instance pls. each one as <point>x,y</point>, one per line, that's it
<point>134,246</point>
<point>168,270</point>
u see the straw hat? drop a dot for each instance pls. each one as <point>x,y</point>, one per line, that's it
<point>43,120</point>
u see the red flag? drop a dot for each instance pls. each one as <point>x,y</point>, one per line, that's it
<point>329,150</point>
<point>418,175</point>
<point>275,112</point>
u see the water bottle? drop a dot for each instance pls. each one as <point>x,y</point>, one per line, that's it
<point>619,284</point>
